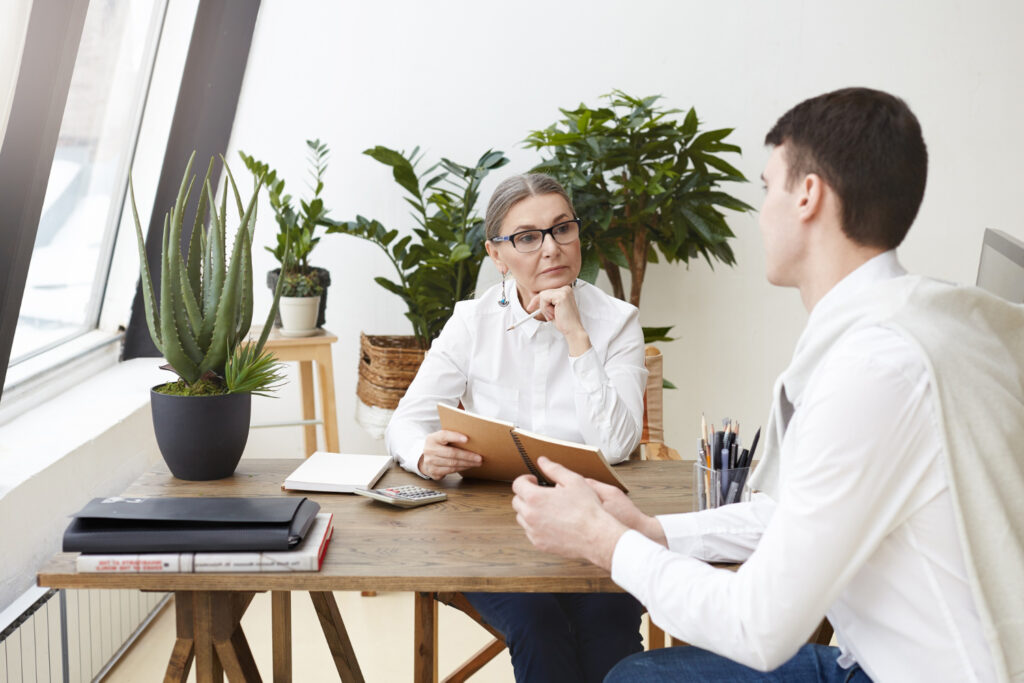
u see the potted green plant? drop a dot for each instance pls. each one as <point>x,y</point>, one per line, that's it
<point>644,184</point>
<point>199,321</point>
<point>436,266</point>
<point>300,304</point>
<point>296,235</point>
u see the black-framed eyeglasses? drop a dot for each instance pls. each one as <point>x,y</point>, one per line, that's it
<point>527,241</point>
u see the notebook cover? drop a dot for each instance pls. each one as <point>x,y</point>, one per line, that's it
<point>580,458</point>
<point>492,439</point>
<point>125,525</point>
<point>496,441</point>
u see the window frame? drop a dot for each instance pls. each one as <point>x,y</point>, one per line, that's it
<point>68,346</point>
<point>208,88</point>
<point>29,145</point>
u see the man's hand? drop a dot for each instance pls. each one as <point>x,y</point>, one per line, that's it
<point>441,458</point>
<point>567,520</point>
<point>559,308</point>
<point>618,505</point>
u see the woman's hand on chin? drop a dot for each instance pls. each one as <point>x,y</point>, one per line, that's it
<point>559,307</point>
<point>440,457</point>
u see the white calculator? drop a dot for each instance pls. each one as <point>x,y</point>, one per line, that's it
<point>404,496</point>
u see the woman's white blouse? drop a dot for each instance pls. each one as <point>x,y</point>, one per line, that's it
<point>525,376</point>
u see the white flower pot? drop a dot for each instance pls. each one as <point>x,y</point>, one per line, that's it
<point>298,315</point>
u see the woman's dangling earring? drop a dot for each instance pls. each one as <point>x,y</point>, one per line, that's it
<point>503,301</point>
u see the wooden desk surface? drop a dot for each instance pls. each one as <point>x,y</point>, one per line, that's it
<point>469,542</point>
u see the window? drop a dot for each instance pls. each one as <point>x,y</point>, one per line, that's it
<point>86,188</point>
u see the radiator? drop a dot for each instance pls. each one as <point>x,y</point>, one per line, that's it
<point>74,635</point>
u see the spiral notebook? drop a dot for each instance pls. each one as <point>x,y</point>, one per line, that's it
<point>509,451</point>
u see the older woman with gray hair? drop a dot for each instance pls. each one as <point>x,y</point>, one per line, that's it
<point>575,371</point>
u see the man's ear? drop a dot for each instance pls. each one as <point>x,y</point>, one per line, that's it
<point>811,197</point>
<point>492,251</point>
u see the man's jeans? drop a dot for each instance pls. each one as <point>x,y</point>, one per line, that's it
<point>815,663</point>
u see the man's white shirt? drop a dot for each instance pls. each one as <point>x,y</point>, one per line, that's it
<point>525,376</point>
<point>864,529</point>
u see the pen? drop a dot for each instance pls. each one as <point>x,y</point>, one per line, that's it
<point>520,322</point>
<point>723,475</point>
<point>744,459</point>
<point>753,446</point>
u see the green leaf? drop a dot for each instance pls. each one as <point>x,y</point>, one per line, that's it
<point>591,266</point>
<point>402,168</point>
<point>657,334</point>
<point>252,370</point>
<point>460,253</point>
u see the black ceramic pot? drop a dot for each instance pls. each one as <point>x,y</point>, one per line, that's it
<point>201,437</point>
<point>322,274</point>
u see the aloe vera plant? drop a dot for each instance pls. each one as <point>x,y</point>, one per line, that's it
<point>204,310</point>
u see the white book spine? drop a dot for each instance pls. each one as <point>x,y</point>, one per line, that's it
<point>305,558</point>
<point>186,563</point>
<point>180,563</point>
<point>255,562</point>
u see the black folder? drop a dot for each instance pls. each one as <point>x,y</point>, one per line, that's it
<point>152,525</point>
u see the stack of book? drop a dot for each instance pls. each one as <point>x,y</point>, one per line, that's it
<point>188,535</point>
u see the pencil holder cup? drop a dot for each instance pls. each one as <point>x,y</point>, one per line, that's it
<point>713,488</point>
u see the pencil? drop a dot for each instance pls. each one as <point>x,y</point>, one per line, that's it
<point>520,322</point>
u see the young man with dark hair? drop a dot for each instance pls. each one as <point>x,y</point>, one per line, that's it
<point>891,493</point>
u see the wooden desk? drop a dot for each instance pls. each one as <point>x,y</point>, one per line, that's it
<point>469,542</point>
<point>307,350</point>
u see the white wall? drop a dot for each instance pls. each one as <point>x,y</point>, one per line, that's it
<point>459,77</point>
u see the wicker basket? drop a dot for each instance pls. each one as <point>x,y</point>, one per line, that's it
<point>387,365</point>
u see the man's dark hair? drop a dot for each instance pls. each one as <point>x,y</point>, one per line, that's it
<point>867,146</point>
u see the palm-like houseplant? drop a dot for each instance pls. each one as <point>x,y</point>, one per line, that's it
<point>199,322</point>
<point>644,183</point>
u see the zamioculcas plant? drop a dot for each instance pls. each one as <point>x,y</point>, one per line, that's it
<point>201,318</point>
<point>437,264</point>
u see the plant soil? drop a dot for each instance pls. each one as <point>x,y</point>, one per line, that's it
<point>203,387</point>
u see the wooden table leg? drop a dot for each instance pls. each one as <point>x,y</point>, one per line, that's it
<point>306,389</point>
<point>325,372</point>
<point>337,636</point>
<point>228,639</point>
<point>424,638</point>
<point>184,644</point>
<point>281,628</point>
<point>208,667</point>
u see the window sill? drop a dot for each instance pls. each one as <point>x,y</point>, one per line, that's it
<point>46,433</point>
<point>36,380</point>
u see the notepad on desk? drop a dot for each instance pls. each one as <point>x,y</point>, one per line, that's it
<point>509,451</point>
<point>337,472</point>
